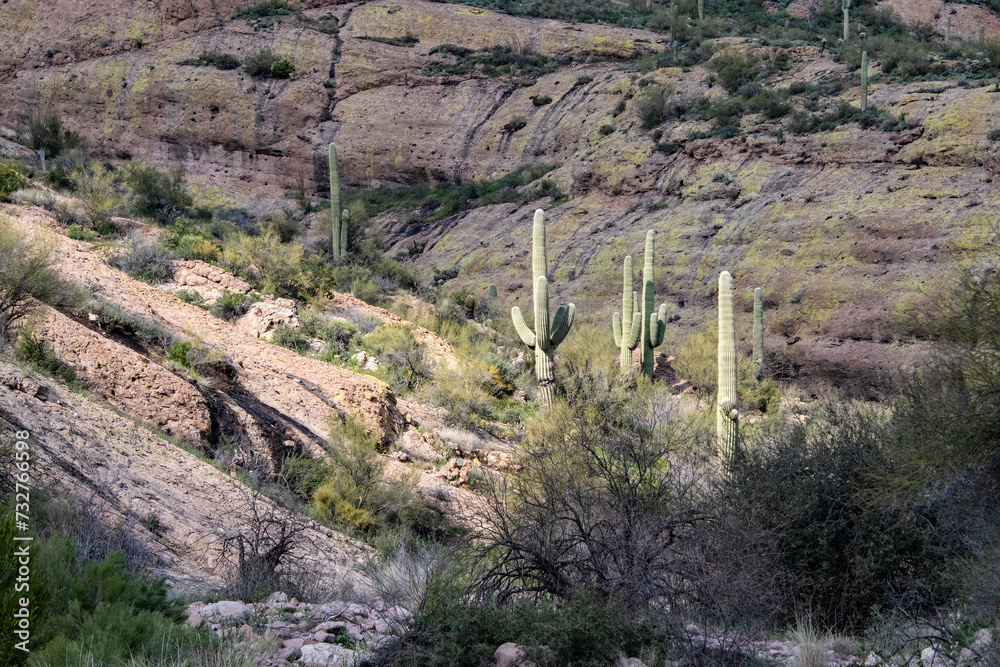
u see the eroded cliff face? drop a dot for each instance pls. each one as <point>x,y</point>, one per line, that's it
<point>847,231</point>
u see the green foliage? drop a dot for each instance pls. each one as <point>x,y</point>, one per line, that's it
<point>266,64</point>
<point>278,265</point>
<point>514,124</point>
<point>10,179</point>
<point>180,353</point>
<point>33,590</point>
<point>149,262</point>
<point>402,357</point>
<point>651,104</point>
<point>447,199</point>
<point>113,319</point>
<point>291,338</point>
<point>357,492</point>
<point>735,68</point>
<point>190,296</point>
<point>26,276</point>
<point>266,9</point>
<point>43,357</point>
<point>96,186</point>
<point>455,630</point>
<point>231,306</point>
<point>495,61</point>
<point>156,194</point>
<point>223,61</point>
<point>100,612</point>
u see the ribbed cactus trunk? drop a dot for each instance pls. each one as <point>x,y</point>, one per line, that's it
<point>982,37</point>
<point>344,215</point>
<point>726,419</point>
<point>335,210</point>
<point>846,6</point>
<point>701,10</point>
<point>543,340</point>
<point>947,32</point>
<point>653,324</point>
<point>864,81</point>
<point>491,295</point>
<point>628,325</point>
<point>758,332</point>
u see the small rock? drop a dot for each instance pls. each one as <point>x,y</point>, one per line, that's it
<point>294,642</point>
<point>290,654</point>
<point>929,658</point>
<point>982,639</point>
<point>328,654</point>
<point>194,620</point>
<point>508,655</point>
<point>283,633</point>
<point>632,662</point>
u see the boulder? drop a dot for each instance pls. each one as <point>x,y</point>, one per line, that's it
<point>228,610</point>
<point>508,655</point>
<point>263,318</point>
<point>328,654</point>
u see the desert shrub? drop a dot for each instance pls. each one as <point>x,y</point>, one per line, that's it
<point>266,64</point>
<point>651,103</point>
<point>266,9</point>
<point>26,276</point>
<point>78,233</point>
<point>42,356</point>
<point>514,124</point>
<point>11,179</point>
<point>156,194</point>
<point>278,264</point>
<point>146,261</point>
<point>735,68</point>
<point>223,61</point>
<point>365,322</point>
<point>96,186</point>
<point>113,319</point>
<point>339,333</point>
<point>34,197</point>
<point>195,246</point>
<point>462,393</point>
<point>604,463</point>
<point>291,338</point>
<point>401,356</point>
<point>359,494</point>
<point>180,353</point>
<point>846,546</point>
<point>231,306</point>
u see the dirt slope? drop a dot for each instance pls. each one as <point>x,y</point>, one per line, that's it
<point>91,451</point>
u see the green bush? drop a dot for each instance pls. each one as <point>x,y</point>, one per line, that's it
<point>514,124</point>
<point>156,194</point>
<point>180,353</point>
<point>41,355</point>
<point>26,276</point>
<point>114,319</point>
<point>96,186</point>
<point>149,262</point>
<point>651,104</point>
<point>265,9</point>
<point>735,68</point>
<point>223,61</point>
<point>401,356</point>
<point>266,64</point>
<point>231,306</point>
<point>291,338</point>
<point>10,597</point>
<point>10,179</point>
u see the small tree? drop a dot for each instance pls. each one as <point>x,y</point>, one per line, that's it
<point>97,188</point>
<point>26,276</point>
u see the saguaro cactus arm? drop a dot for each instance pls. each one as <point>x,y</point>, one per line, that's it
<point>523,331</point>
<point>561,324</point>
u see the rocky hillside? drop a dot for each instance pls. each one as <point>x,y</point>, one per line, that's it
<point>847,230</point>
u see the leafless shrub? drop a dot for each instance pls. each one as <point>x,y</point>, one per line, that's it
<point>260,545</point>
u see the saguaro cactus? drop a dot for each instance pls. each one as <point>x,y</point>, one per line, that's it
<point>701,10</point>
<point>947,31</point>
<point>337,215</point>
<point>845,5</point>
<point>982,37</point>
<point>864,81</point>
<point>726,418</point>
<point>491,295</point>
<point>758,332</point>
<point>544,339</point>
<point>653,324</point>
<point>627,338</point>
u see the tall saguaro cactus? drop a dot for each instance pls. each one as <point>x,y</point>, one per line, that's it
<point>544,339</point>
<point>758,332</point>
<point>845,5</point>
<point>338,216</point>
<point>982,37</point>
<point>726,417</point>
<point>701,10</point>
<point>947,31</point>
<point>864,81</point>
<point>627,338</point>
<point>653,324</point>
